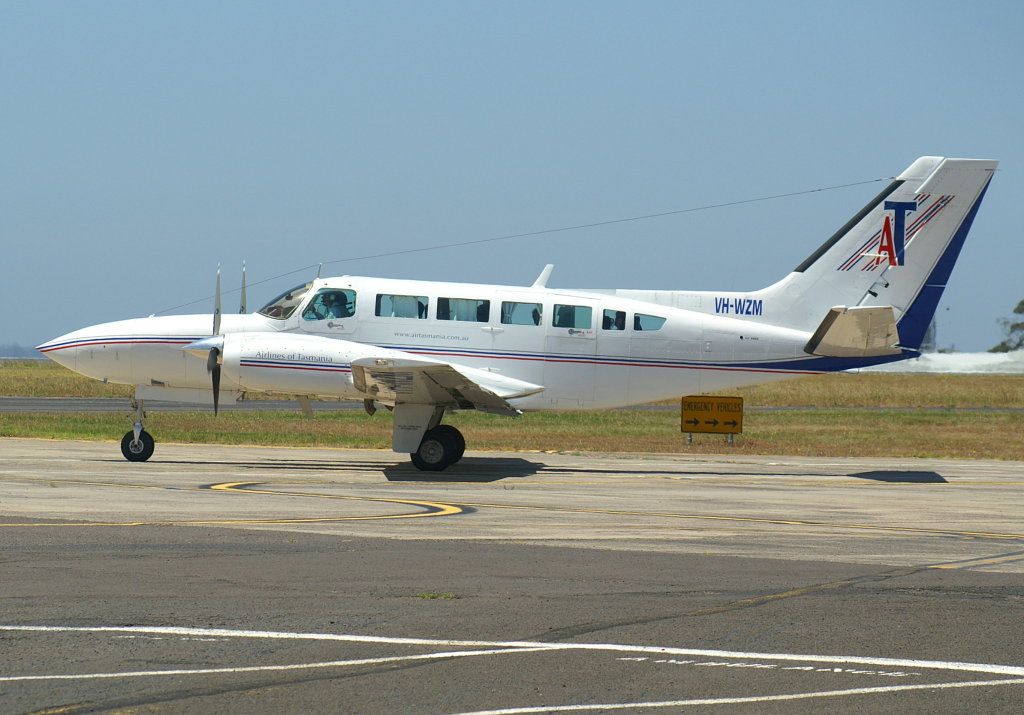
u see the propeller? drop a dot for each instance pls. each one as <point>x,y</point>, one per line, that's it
<point>213,359</point>
<point>213,367</point>
<point>213,346</point>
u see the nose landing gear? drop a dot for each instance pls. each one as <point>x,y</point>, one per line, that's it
<point>137,449</point>
<point>137,444</point>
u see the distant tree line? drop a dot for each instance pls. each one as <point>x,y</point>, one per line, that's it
<point>1014,330</point>
<point>13,350</point>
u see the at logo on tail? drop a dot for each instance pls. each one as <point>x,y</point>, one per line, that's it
<point>894,232</point>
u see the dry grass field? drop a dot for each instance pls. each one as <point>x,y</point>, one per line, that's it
<point>864,414</point>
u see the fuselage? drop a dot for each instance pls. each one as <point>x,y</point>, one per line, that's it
<point>586,349</point>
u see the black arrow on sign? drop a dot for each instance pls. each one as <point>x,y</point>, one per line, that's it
<point>694,421</point>
<point>731,423</point>
<point>713,423</point>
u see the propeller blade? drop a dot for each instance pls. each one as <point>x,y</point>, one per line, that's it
<point>216,305</point>
<point>213,367</point>
<point>241,308</point>
<point>216,389</point>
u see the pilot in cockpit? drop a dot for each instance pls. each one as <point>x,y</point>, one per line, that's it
<point>332,306</point>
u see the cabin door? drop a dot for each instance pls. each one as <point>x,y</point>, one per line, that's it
<point>570,354</point>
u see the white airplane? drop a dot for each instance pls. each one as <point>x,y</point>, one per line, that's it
<point>424,348</point>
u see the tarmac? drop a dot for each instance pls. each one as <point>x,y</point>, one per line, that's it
<point>253,579</point>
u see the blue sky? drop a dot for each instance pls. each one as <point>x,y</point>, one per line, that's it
<point>143,143</point>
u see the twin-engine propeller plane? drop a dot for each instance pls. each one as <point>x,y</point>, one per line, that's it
<point>422,348</point>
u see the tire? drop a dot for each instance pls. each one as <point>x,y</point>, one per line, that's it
<point>435,452</point>
<point>137,451</point>
<point>457,439</point>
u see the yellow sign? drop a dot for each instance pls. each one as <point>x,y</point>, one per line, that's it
<point>708,413</point>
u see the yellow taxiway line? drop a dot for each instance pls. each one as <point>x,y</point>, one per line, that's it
<point>429,508</point>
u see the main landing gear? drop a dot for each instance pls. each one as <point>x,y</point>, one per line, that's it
<point>137,444</point>
<point>442,446</point>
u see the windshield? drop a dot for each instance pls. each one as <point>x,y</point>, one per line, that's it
<point>285,304</point>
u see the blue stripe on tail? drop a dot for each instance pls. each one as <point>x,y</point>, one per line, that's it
<point>914,323</point>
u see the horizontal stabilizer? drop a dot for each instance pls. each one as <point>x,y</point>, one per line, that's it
<point>865,331</point>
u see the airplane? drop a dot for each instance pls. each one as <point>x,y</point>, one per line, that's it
<point>423,349</point>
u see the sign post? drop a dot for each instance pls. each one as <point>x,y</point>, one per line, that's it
<point>711,414</point>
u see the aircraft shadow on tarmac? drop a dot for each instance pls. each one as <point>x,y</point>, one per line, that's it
<point>902,477</point>
<point>276,465</point>
<point>470,469</point>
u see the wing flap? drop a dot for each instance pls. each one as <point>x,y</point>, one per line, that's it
<point>413,381</point>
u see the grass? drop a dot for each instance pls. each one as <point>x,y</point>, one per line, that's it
<point>876,389</point>
<point>44,378</point>
<point>819,432</point>
<point>847,415</point>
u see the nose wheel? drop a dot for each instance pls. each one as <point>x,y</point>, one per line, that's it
<point>137,449</point>
<point>441,447</point>
<point>137,444</point>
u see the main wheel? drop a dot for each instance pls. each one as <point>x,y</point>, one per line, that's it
<point>436,451</point>
<point>457,439</point>
<point>140,450</point>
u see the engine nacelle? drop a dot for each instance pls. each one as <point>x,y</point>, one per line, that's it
<point>293,364</point>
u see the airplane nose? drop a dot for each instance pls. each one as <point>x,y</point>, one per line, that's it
<point>63,350</point>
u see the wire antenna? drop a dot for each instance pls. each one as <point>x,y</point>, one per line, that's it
<point>542,232</point>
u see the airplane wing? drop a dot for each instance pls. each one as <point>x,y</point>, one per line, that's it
<point>421,382</point>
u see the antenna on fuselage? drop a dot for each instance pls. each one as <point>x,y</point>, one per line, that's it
<point>318,269</point>
<point>542,279</point>
<point>216,305</point>
<point>241,304</point>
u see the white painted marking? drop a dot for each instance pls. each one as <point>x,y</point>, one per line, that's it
<point>264,668</point>
<point>751,699</point>
<point>1014,670</point>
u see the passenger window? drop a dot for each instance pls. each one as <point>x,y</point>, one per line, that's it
<point>521,313</point>
<point>401,306</point>
<point>331,303</point>
<point>572,316</point>
<point>613,320</point>
<point>647,322</point>
<point>467,309</point>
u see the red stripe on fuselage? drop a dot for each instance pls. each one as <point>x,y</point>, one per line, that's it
<point>116,342</point>
<point>614,363</point>
<point>300,367</point>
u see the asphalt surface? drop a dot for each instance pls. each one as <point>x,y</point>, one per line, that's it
<point>248,579</point>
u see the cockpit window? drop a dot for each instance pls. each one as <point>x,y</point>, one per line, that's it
<point>331,303</point>
<point>285,304</point>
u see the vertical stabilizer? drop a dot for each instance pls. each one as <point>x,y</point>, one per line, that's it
<point>897,251</point>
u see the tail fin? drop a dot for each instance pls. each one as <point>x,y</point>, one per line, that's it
<point>897,251</point>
